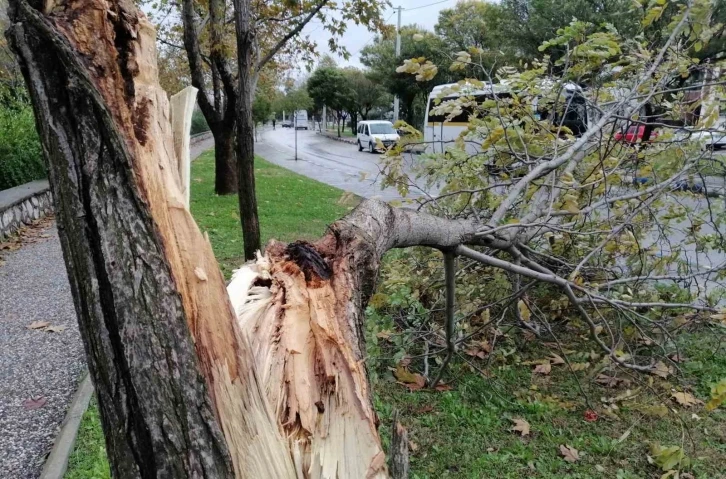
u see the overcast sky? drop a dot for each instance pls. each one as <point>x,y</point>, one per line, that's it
<point>421,12</point>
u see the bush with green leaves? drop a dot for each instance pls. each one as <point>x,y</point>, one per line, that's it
<point>21,157</point>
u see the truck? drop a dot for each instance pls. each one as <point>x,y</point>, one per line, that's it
<point>300,119</point>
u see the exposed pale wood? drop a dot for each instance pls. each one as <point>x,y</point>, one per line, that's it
<point>182,109</point>
<point>134,254</point>
<point>308,362</point>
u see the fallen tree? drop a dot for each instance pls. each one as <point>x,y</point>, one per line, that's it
<point>267,377</point>
<point>182,388</point>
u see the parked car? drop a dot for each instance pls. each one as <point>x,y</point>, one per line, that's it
<point>370,132</point>
<point>634,134</point>
<point>286,124</point>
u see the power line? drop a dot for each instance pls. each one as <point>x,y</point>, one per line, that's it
<point>424,6</point>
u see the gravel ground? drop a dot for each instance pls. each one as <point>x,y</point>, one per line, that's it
<point>35,363</point>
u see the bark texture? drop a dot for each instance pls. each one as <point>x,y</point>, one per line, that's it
<point>246,130</point>
<point>219,108</point>
<point>143,276</point>
<point>225,159</point>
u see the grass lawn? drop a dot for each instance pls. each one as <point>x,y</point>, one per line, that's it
<point>346,133</point>
<point>466,432</point>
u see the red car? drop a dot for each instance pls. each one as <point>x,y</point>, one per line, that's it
<point>634,134</point>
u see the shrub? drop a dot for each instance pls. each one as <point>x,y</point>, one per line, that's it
<point>21,158</point>
<point>199,123</point>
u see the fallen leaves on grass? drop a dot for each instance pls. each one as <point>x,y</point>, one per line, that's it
<point>611,381</point>
<point>580,366</point>
<point>590,415</point>
<point>685,399</point>
<point>556,359</point>
<point>654,410</point>
<point>718,395</point>
<point>36,402</point>
<point>479,349</point>
<point>544,368</point>
<point>412,381</point>
<point>661,369</point>
<point>443,387</point>
<point>424,409</point>
<point>569,453</point>
<point>521,426</point>
<point>667,457</point>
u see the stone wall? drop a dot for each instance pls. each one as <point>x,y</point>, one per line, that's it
<point>23,204</point>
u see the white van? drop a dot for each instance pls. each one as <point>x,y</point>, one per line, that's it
<point>371,131</point>
<point>301,120</point>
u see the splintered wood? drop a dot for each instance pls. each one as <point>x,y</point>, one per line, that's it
<point>311,372</point>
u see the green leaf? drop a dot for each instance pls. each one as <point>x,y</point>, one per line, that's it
<point>668,457</point>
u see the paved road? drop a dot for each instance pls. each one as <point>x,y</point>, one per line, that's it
<point>335,163</point>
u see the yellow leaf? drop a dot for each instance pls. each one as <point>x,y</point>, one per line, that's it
<point>685,399</point>
<point>580,366</point>
<point>669,457</point>
<point>718,395</point>
<point>524,311</point>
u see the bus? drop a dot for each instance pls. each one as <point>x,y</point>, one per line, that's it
<point>440,131</point>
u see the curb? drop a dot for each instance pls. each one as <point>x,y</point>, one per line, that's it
<point>57,463</point>
<point>350,141</point>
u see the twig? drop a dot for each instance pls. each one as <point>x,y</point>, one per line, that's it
<point>449,274</point>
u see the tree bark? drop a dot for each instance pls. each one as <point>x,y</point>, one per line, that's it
<point>173,404</point>
<point>221,110</point>
<point>246,131</point>
<point>225,159</point>
<point>272,384</point>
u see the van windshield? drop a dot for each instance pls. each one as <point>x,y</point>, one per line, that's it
<point>381,129</point>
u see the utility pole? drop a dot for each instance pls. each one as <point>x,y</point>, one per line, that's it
<point>396,102</point>
<point>294,124</point>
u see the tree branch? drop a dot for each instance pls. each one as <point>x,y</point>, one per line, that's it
<point>297,29</point>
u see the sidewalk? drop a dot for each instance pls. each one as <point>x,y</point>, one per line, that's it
<point>39,368</point>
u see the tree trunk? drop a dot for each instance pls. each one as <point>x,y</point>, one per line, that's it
<point>272,384</point>
<point>225,164</point>
<point>246,132</point>
<point>141,273</point>
<point>302,306</point>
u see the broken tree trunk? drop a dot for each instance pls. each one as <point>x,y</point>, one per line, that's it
<point>302,306</point>
<point>272,384</point>
<point>182,109</point>
<point>143,276</point>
